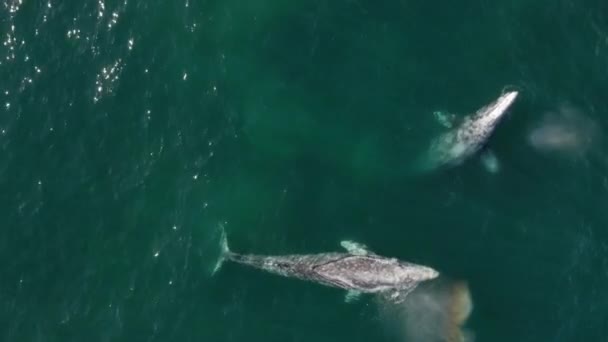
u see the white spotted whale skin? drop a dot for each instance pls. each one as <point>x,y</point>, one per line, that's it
<point>468,138</point>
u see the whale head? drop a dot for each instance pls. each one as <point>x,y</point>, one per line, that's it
<point>417,273</point>
<point>487,117</point>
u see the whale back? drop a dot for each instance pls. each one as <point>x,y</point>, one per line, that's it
<point>368,273</point>
<point>296,266</point>
<point>365,273</point>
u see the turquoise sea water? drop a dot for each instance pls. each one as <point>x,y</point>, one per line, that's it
<point>129,130</point>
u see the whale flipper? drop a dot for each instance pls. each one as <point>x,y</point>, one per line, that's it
<point>352,296</point>
<point>445,119</point>
<point>354,248</point>
<point>490,161</point>
<point>398,296</point>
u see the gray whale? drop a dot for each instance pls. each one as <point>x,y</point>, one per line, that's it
<point>470,136</point>
<point>357,271</point>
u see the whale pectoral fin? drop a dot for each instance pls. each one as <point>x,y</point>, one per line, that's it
<point>352,296</point>
<point>445,119</point>
<point>399,295</point>
<point>490,161</point>
<point>354,248</point>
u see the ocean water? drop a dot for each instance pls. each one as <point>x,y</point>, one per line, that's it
<point>131,130</point>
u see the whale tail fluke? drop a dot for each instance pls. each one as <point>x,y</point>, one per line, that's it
<point>225,251</point>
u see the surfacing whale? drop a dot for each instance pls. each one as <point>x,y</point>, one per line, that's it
<point>470,136</point>
<point>357,271</point>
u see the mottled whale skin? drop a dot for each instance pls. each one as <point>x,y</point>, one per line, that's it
<point>358,270</point>
<point>459,144</point>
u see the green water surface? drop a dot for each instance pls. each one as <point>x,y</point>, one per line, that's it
<point>130,129</point>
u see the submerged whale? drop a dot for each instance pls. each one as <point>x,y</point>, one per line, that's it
<point>470,136</point>
<point>357,271</point>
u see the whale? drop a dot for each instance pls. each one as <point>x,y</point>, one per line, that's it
<point>357,270</point>
<point>469,137</point>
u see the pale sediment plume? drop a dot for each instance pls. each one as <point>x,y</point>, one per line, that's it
<point>434,312</point>
<point>567,131</point>
<point>460,306</point>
